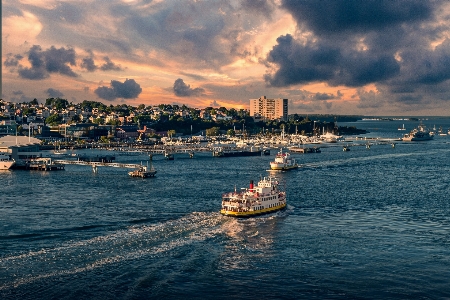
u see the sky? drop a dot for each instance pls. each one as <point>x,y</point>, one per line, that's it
<point>352,57</point>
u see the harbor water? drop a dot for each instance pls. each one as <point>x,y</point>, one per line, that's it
<point>361,224</point>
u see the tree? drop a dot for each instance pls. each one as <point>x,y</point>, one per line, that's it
<point>113,122</point>
<point>99,121</point>
<point>231,132</point>
<point>171,133</point>
<point>214,131</point>
<point>54,119</point>
<point>76,118</point>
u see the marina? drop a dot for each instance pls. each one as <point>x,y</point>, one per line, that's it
<point>368,223</point>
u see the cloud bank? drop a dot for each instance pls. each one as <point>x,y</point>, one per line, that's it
<point>182,89</point>
<point>129,89</point>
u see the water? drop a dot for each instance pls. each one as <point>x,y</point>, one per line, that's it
<point>364,224</point>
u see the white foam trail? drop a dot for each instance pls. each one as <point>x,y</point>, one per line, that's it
<point>201,225</point>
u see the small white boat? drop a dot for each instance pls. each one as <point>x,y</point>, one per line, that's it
<point>143,172</point>
<point>283,161</point>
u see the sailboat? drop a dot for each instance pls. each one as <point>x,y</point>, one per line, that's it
<point>402,128</point>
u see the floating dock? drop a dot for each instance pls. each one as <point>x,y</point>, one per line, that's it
<point>304,150</point>
<point>43,165</point>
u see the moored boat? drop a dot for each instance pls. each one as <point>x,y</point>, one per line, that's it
<point>418,134</point>
<point>221,152</point>
<point>6,162</point>
<point>265,197</point>
<point>143,172</point>
<point>283,161</point>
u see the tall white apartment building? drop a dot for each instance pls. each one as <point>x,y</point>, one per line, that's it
<point>269,108</point>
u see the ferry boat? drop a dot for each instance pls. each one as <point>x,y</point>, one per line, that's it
<point>283,161</point>
<point>418,134</point>
<point>265,197</point>
<point>6,162</point>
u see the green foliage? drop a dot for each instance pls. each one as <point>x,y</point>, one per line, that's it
<point>57,103</point>
<point>76,118</point>
<point>231,132</point>
<point>214,131</point>
<point>27,111</point>
<point>142,119</point>
<point>92,104</point>
<point>171,133</point>
<point>54,119</point>
<point>113,122</point>
<point>99,121</point>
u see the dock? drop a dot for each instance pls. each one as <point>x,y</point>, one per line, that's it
<point>44,164</point>
<point>304,150</point>
<point>95,165</point>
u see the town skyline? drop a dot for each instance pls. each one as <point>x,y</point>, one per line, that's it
<point>327,57</point>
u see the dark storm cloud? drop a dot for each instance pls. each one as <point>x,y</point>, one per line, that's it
<point>109,65</point>
<point>426,66</point>
<point>16,93</point>
<point>54,93</point>
<point>12,60</point>
<point>49,61</point>
<point>106,93</point>
<point>88,64</point>
<point>312,62</point>
<point>129,89</point>
<point>355,43</point>
<point>330,16</point>
<point>182,89</point>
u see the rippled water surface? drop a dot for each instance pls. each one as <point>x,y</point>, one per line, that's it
<point>365,224</point>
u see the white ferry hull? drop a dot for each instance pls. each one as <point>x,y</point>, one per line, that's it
<point>283,167</point>
<point>417,139</point>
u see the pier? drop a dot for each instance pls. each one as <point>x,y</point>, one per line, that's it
<point>96,164</point>
<point>45,164</point>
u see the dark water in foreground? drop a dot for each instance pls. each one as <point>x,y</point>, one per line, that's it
<point>363,224</point>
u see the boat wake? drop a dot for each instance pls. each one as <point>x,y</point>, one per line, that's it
<point>135,243</point>
<point>358,160</point>
<point>129,244</point>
